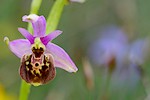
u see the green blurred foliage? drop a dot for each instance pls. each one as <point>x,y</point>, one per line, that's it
<point>80,24</point>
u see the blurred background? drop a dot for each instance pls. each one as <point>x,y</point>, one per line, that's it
<point>107,39</point>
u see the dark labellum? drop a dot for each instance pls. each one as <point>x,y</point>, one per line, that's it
<point>37,68</point>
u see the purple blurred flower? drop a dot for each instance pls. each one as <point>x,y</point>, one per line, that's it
<point>111,44</point>
<point>39,56</point>
<point>139,51</point>
<point>121,60</point>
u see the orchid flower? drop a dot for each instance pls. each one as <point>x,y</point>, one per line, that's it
<point>109,47</point>
<point>39,56</point>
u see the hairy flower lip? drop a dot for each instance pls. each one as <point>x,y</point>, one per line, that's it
<point>40,74</point>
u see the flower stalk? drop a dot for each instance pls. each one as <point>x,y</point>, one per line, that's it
<point>55,14</point>
<point>35,5</point>
<point>24,91</point>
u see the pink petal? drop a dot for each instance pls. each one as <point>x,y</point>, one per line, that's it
<point>50,36</point>
<point>38,23</point>
<point>61,58</point>
<point>20,47</point>
<point>26,34</point>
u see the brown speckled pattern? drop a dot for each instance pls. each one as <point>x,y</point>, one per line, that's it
<point>37,69</point>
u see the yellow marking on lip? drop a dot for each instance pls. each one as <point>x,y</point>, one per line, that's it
<point>37,72</point>
<point>46,58</point>
<point>47,64</point>
<point>32,72</point>
<point>27,63</point>
<point>27,57</point>
<point>36,84</point>
<point>27,68</point>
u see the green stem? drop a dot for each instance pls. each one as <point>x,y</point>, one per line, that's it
<point>35,6</point>
<point>55,14</point>
<point>25,87</point>
<point>105,96</point>
<point>24,91</point>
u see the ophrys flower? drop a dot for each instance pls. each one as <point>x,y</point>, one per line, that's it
<point>39,56</point>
